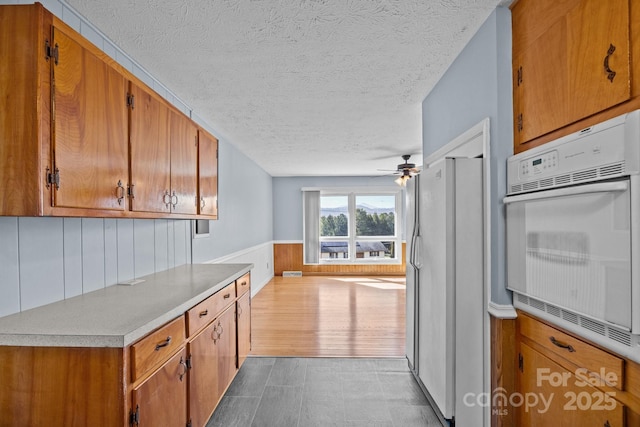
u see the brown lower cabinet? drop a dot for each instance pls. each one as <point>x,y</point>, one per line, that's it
<point>562,379</point>
<point>212,355</point>
<point>174,376</point>
<point>555,396</point>
<point>161,400</point>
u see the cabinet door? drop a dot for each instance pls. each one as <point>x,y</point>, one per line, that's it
<point>204,392</point>
<point>244,327</point>
<point>226,348</point>
<point>208,174</point>
<point>162,399</point>
<point>184,164</point>
<point>562,62</point>
<point>150,155</point>
<point>553,396</point>
<point>90,128</point>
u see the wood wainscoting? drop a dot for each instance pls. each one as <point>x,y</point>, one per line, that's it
<point>503,366</point>
<point>289,256</point>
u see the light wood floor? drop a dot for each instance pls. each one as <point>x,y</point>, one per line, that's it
<point>329,316</point>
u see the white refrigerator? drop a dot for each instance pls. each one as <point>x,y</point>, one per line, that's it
<point>445,286</point>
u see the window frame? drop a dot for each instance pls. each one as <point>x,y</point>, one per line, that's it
<point>352,238</point>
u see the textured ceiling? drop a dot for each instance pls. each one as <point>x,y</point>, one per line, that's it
<point>302,87</point>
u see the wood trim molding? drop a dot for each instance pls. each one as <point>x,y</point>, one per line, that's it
<point>503,365</point>
<point>289,257</point>
<point>502,311</point>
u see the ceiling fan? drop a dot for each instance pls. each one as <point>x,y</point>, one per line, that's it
<point>406,170</point>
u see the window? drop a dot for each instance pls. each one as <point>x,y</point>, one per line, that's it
<point>352,227</point>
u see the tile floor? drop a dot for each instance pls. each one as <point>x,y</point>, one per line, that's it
<point>307,392</point>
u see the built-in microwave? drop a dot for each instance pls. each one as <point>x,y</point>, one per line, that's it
<point>573,232</point>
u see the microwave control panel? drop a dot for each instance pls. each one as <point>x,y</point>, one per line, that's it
<point>545,162</point>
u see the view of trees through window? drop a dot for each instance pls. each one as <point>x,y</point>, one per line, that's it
<point>367,224</point>
<point>374,221</point>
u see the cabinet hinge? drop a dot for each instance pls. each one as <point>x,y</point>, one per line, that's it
<point>519,76</point>
<point>189,423</point>
<point>131,100</point>
<point>520,362</point>
<point>53,178</point>
<point>520,126</point>
<point>130,191</point>
<point>134,417</point>
<point>51,52</point>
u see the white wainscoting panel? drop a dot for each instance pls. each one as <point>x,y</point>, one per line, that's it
<point>261,256</point>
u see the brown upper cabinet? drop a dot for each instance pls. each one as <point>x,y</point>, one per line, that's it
<point>572,60</point>
<point>89,144</point>
<point>150,155</point>
<point>208,174</point>
<point>82,136</point>
<point>184,164</point>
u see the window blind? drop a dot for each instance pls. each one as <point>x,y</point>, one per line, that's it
<point>311,238</point>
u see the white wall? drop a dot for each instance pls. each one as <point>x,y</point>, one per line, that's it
<point>478,85</point>
<point>261,256</point>
<point>43,260</point>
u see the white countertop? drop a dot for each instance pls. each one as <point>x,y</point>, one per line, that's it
<point>117,316</point>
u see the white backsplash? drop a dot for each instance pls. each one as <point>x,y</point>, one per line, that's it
<point>43,260</point>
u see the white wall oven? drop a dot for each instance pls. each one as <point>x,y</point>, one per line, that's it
<point>573,232</point>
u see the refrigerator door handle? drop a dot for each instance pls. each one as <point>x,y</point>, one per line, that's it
<point>416,255</point>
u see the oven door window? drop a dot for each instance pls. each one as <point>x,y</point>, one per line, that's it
<point>572,248</point>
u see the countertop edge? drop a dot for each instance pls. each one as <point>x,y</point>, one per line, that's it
<point>122,340</point>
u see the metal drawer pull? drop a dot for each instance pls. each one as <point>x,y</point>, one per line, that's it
<point>204,313</point>
<point>227,296</point>
<point>164,343</point>
<point>560,344</point>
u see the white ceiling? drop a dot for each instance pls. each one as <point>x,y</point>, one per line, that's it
<point>302,87</point>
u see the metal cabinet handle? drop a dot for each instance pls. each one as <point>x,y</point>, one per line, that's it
<point>239,311</point>
<point>217,332</point>
<point>120,192</point>
<point>203,313</point>
<point>560,344</point>
<point>227,296</point>
<point>166,198</point>
<point>163,343</point>
<point>174,197</point>
<point>202,203</point>
<point>184,367</point>
<point>610,73</point>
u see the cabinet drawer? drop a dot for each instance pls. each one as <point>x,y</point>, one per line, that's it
<point>156,347</point>
<point>209,309</point>
<point>605,366</point>
<point>243,284</point>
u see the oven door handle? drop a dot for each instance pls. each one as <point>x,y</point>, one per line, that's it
<point>601,187</point>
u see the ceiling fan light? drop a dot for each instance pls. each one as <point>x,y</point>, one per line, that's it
<point>402,180</point>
